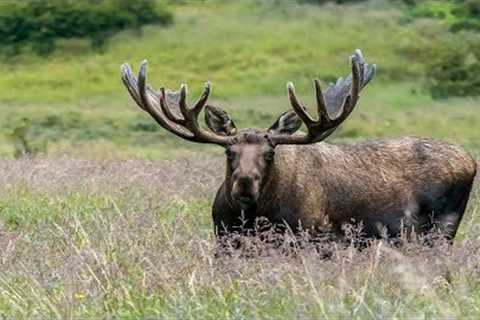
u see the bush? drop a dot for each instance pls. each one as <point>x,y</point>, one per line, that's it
<point>456,72</point>
<point>40,23</point>
<point>469,15</point>
<point>459,14</point>
<point>455,69</point>
<point>25,142</point>
<point>319,2</point>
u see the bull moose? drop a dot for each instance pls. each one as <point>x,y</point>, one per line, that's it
<point>296,179</point>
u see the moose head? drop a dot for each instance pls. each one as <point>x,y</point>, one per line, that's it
<point>250,152</point>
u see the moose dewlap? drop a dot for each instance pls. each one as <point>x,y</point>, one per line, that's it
<point>290,178</point>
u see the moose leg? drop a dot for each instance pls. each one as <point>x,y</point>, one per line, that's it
<point>447,221</point>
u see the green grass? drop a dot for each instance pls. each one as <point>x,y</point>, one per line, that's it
<point>97,132</point>
<point>101,240</point>
<point>77,105</point>
<point>248,50</point>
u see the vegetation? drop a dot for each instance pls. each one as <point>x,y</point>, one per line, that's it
<point>453,71</point>
<point>76,103</point>
<point>320,2</point>
<point>41,23</point>
<point>24,142</point>
<point>133,239</point>
<point>456,71</point>
<point>459,14</point>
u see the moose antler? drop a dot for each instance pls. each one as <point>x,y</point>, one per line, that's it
<point>170,109</point>
<point>333,106</point>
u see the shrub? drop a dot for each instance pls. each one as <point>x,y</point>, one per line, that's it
<point>25,142</point>
<point>469,15</point>
<point>456,72</point>
<point>319,2</point>
<point>40,23</point>
<point>459,14</point>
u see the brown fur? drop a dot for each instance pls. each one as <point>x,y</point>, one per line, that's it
<point>385,184</point>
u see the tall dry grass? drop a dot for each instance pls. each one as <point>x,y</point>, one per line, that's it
<point>133,239</point>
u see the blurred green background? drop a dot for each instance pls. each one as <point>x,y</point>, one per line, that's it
<point>61,94</point>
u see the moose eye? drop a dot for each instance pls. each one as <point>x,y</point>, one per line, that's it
<point>230,154</point>
<point>269,155</point>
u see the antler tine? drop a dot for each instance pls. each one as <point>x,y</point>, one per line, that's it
<point>166,109</point>
<point>197,108</point>
<point>340,99</point>
<point>357,78</point>
<point>128,80</point>
<point>182,103</point>
<point>191,115</point>
<point>361,63</point>
<point>147,105</point>
<point>321,106</point>
<point>149,100</point>
<point>351,100</point>
<point>297,107</point>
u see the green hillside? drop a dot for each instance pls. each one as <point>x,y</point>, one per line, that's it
<point>73,101</point>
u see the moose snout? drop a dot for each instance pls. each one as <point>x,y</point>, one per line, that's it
<point>245,189</point>
<point>246,182</point>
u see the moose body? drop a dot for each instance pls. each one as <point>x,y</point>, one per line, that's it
<point>385,185</point>
<point>294,179</point>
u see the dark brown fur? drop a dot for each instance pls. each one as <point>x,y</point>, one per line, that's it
<point>385,184</point>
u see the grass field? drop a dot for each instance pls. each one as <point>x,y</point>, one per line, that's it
<point>133,239</point>
<point>112,218</point>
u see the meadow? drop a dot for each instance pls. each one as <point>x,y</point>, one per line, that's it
<point>111,219</point>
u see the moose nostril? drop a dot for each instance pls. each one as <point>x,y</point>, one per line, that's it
<point>245,181</point>
<point>256,177</point>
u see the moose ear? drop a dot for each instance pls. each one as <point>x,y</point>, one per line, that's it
<point>287,123</point>
<point>219,121</point>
